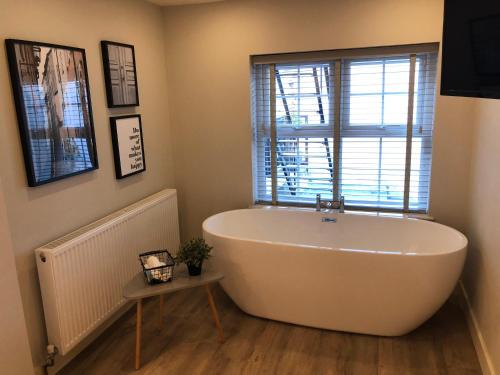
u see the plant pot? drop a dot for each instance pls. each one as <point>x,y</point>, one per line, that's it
<point>194,270</point>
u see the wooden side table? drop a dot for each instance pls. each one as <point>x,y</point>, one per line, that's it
<point>137,290</point>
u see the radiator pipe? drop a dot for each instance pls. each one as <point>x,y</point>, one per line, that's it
<point>52,351</point>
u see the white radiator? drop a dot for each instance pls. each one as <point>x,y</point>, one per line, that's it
<point>82,274</point>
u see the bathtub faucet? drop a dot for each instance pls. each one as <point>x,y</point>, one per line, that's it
<point>340,205</point>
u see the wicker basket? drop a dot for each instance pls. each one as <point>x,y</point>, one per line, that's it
<point>159,274</point>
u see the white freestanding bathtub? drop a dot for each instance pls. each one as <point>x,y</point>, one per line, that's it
<point>366,274</point>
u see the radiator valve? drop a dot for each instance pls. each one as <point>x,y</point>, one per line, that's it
<point>51,354</point>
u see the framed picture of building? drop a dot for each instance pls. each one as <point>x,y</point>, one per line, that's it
<point>51,92</point>
<point>128,145</point>
<point>120,74</point>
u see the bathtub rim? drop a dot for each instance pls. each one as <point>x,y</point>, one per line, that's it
<point>458,249</point>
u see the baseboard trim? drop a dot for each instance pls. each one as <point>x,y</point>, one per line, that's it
<point>477,337</point>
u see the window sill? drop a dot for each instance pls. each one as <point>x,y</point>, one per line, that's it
<point>351,212</point>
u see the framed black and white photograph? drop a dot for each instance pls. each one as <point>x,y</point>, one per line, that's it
<point>51,92</point>
<point>120,74</point>
<point>128,145</point>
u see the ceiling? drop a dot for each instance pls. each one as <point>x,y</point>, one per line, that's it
<point>181,2</point>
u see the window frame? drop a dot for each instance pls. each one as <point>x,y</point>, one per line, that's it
<point>384,131</point>
<point>337,127</point>
<point>369,130</point>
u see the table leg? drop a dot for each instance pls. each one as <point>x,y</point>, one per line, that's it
<point>160,322</point>
<point>138,333</point>
<point>215,316</point>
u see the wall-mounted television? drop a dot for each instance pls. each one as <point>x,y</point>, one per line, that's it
<point>471,48</point>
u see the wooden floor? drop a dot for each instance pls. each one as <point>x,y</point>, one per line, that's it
<point>188,345</point>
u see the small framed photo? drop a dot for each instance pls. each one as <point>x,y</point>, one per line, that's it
<point>54,112</point>
<point>120,74</point>
<point>128,145</point>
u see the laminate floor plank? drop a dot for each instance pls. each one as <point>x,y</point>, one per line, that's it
<point>187,343</point>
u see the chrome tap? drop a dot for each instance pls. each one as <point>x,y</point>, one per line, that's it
<point>340,204</point>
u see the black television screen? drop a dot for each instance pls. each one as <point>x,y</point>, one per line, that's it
<point>471,48</point>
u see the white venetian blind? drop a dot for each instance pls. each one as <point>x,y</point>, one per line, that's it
<point>355,126</point>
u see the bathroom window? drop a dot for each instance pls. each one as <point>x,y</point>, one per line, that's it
<point>356,123</point>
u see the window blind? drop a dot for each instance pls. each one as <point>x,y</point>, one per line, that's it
<point>360,127</point>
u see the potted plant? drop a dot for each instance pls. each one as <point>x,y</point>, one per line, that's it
<point>193,253</point>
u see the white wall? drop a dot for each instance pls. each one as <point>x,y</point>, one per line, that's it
<point>38,215</point>
<point>482,271</point>
<point>208,49</point>
<point>15,355</point>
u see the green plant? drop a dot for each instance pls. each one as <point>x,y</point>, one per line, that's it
<point>194,252</point>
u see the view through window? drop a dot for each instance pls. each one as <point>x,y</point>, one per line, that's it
<point>342,127</point>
